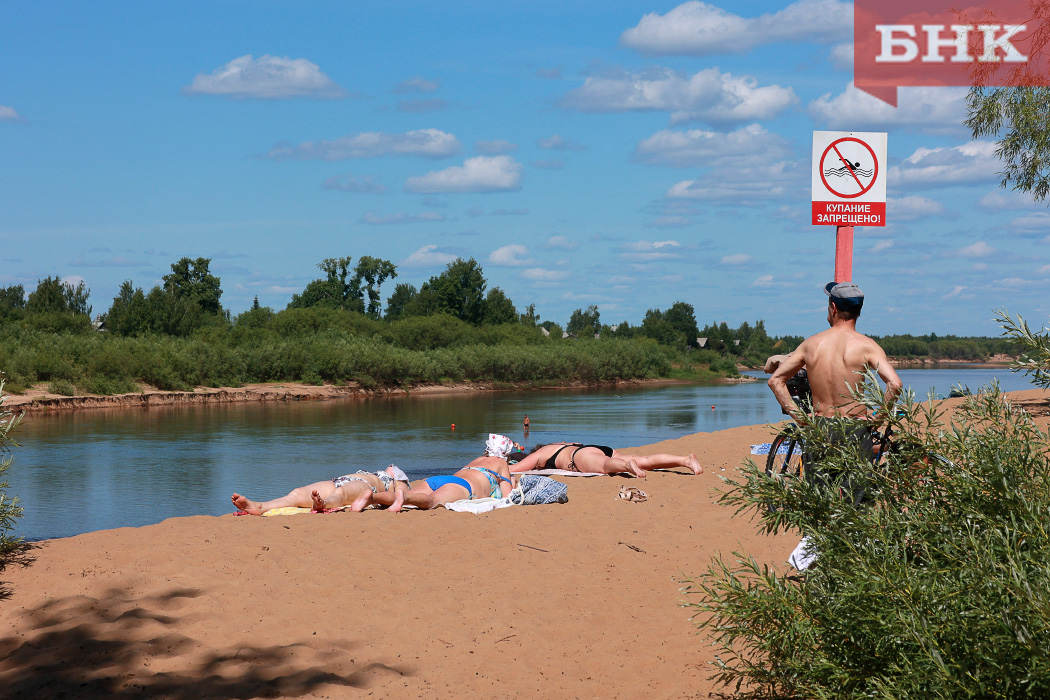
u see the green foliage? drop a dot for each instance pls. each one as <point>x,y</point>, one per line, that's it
<point>12,300</point>
<point>12,549</point>
<point>1035,348</point>
<point>191,280</point>
<point>1018,117</point>
<point>399,302</point>
<point>499,308</point>
<point>937,587</point>
<point>458,291</point>
<point>53,296</point>
<point>584,324</point>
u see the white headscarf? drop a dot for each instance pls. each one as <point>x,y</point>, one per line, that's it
<point>498,446</point>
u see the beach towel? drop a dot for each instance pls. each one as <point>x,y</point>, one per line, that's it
<point>295,510</point>
<point>478,505</point>
<point>763,449</point>
<point>560,472</point>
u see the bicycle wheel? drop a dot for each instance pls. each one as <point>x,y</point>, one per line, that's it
<point>784,460</point>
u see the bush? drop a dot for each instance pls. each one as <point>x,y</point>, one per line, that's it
<point>12,549</point>
<point>938,587</point>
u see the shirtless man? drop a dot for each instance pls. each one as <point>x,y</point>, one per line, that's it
<point>835,360</point>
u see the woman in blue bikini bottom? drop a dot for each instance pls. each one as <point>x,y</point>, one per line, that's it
<point>484,477</point>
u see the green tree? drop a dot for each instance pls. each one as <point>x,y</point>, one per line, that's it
<point>373,272</point>
<point>398,304</point>
<point>52,295</point>
<point>191,280</point>
<point>656,326</point>
<point>1019,117</point>
<point>529,317</point>
<point>12,300</point>
<point>584,324</point>
<point>170,314</point>
<point>458,291</point>
<point>498,308</point>
<point>129,314</point>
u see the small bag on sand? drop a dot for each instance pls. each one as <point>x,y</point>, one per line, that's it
<point>534,490</point>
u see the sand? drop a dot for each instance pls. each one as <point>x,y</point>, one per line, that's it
<point>581,600</point>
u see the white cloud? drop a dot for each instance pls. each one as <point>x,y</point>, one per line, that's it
<point>383,220</point>
<point>998,200</point>
<point>8,114</point>
<point>698,147</point>
<point>495,147</point>
<point>881,245</point>
<point>912,207</point>
<point>513,255</point>
<point>842,56</point>
<point>764,281</point>
<point>956,291</point>
<point>554,142</point>
<point>561,243</point>
<point>477,174</point>
<point>429,256</point>
<point>356,185</point>
<point>980,249</point>
<point>542,274</point>
<point>929,168</point>
<point>737,259</point>
<point>416,84</point>
<point>709,95</point>
<point>932,109</point>
<point>699,29</point>
<point>426,143</point>
<point>1032,224</point>
<point>1044,270</point>
<point>267,78</point>
<point>649,251</point>
<point>741,184</point>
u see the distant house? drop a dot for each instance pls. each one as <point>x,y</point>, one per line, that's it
<point>99,324</point>
<point>736,342</point>
<point>545,331</point>
<point>564,334</point>
<point>701,342</point>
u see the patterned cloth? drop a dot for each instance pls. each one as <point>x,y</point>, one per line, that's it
<point>498,446</point>
<point>534,490</point>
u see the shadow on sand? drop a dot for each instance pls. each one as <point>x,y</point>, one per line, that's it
<point>123,648</point>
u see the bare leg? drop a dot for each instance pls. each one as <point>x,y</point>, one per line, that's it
<point>664,461</point>
<point>594,461</point>
<point>301,497</point>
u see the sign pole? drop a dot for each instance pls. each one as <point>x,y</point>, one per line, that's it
<point>844,254</point>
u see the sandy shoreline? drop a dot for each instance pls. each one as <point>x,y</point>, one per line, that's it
<point>568,601</point>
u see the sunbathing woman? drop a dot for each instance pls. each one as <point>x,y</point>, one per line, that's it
<point>354,489</point>
<point>486,476</point>
<point>599,459</point>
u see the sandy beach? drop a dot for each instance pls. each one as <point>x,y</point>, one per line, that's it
<point>580,600</point>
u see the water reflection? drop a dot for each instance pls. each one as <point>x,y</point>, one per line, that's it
<point>100,469</point>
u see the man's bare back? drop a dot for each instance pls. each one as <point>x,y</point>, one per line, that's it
<point>834,360</point>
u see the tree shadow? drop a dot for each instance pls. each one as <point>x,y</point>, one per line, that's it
<point>14,554</point>
<point>121,647</point>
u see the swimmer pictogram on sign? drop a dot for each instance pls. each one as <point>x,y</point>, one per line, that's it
<point>849,184</point>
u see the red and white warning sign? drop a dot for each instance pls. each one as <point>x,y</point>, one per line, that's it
<point>849,178</point>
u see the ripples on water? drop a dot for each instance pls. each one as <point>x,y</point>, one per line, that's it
<point>100,469</point>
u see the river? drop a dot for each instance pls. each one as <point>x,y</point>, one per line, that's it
<point>99,469</point>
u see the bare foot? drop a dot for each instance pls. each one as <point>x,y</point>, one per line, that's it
<point>635,469</point>
<point>694,464</point>
<point>248,506</point>
<point>399,500</point>
<point>362,502</point>
<point>318,502</point>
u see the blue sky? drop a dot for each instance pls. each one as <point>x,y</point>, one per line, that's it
<point>624,154</point>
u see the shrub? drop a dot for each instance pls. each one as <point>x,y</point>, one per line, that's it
<point>937,587</point>
<point>12,548</point>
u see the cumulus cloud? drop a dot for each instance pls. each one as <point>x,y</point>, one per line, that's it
<point>416,84</point>
<point>842,56</point>
<point>930,168</point>
<point>912,207</point>
<point>709,95</point>
<point>1032,224</point>
<point>747,183</point>
<point>429,256</point>
<point>495,147</point>
<point>699,29</point>
<point>554,142</point>
<point>386,219</point>
<point>649,251</point>
<point>737,259</point>
<point>8,114</point>
<point>980,249</point>
<point>425,143</point>
<point>266,78</point>
<point>477,174</point>
<point>542,274</point>
<point>513,255</point>
<point>931,109</point>
<point>561,243</point>
<point>998,200</point>
<point>764,281</point>
<point>355,185</point>
<point>698,147</point>
<point>881,245</point>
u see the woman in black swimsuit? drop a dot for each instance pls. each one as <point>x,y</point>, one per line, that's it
<point>599,459</point>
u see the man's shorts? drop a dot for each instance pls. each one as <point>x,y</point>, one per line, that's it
<point>851,485</point>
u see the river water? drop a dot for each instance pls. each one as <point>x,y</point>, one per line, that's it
<point>100,469</point>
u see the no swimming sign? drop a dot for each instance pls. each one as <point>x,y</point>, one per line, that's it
<point>849,178</point>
